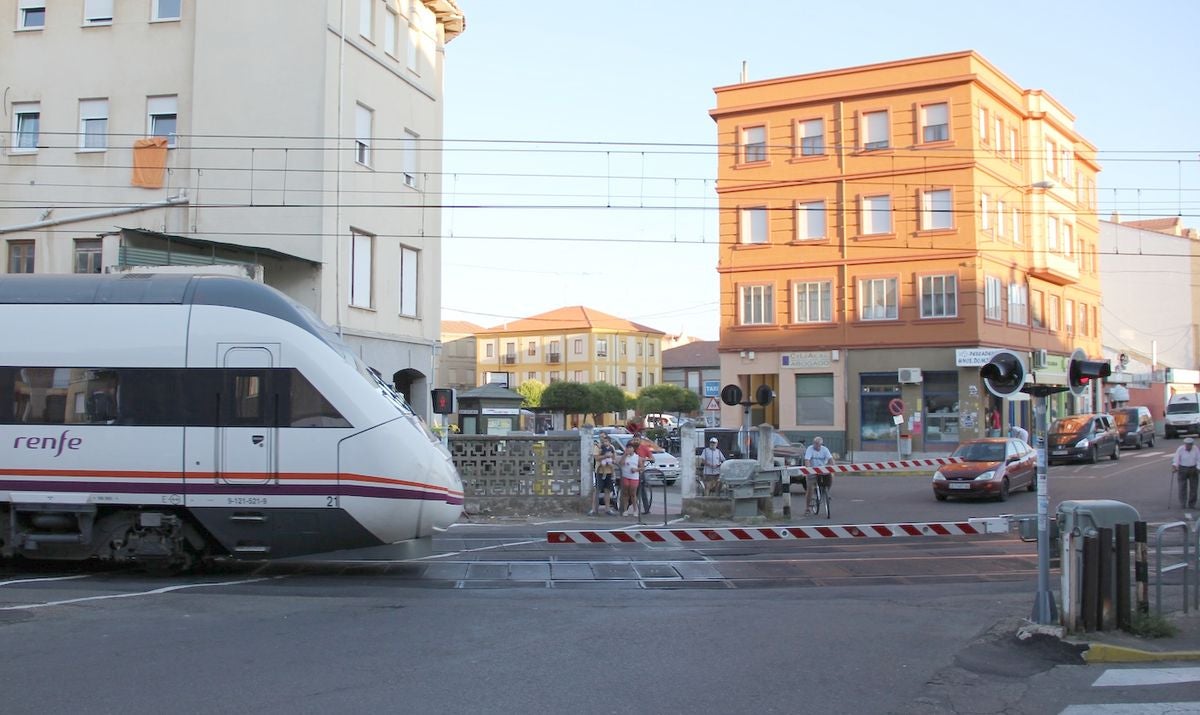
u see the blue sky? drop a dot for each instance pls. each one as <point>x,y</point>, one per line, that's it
<point>580,164</point>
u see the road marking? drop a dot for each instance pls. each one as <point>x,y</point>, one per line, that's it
<point>1190,708</point>
<point>152,592</point>
<point>48,578</point>
<point>1119,677</point>
<point>456,553</point>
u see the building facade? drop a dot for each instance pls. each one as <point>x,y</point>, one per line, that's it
<point>456,363</point>
<point>884,230</point>
<point>294,135</point>
<point>575,343</point>
<point>1151,324</point>
<point>696,366</point>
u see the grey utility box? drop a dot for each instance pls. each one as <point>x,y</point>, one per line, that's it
<point>746,485</point>
<point>1081,517</point>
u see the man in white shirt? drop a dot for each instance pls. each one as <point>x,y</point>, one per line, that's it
<point>1183,465</point>
<point>817,455</point>
<point>710,472</point>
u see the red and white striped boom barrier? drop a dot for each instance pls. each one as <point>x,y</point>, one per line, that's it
<point>971,527</point>
<point>873,466</point>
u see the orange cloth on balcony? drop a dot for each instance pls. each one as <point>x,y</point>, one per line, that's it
<point>149,162</point>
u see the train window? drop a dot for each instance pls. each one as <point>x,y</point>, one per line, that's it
<point>309,408</point>
<point>163,397</point>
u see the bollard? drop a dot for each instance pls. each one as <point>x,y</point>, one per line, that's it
<point>1141,555</point>
<point>1105,617</point>
<point>1090,582</point>
<point>1124,620</point>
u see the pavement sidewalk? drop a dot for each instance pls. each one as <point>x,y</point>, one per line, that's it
<point>1121,647</point>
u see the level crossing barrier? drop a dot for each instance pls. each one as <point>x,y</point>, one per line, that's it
<point>971,527</point>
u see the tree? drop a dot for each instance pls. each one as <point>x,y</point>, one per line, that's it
<point>570,398</point>
<point>532,391</point>
<point>666,397</point>
<point>606,397</point>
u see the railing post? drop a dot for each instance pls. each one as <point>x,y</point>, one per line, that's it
<point>1122,560</point>
<point>1141,567</point>
<point>1105,620</point>
<point>1090,582</point>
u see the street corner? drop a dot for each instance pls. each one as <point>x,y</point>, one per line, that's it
<point>1122,647</point>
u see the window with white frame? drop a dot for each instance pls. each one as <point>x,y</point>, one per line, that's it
<point>601,348</point>
<point>1014,138</point>
<point>812,302</point>
<point>939,296</point>
<point>983,125</point>
<point>985,215</point>
<point>362,256</point>
<point>999,134</point>
<point>363,121</point>
<point>27,120</point>
<point>875,130</point>
<point>31,14</point>
<point>811,137</point>
<point>810,220</point>
<point>162,118</point>
<point>1037,302</point>
<point>1000,219</point>
<point>489,350</point>
<point>1016,225</point>
<point>876,215</point>
<point>531,348</point>
<point>937,209</point>
<point>167,10</point>
<point>366,18</point>
<point>410,269</point>
<point>877,299</point>
<point>993,292</point>
<point>754,144</point>
<point>1051,156</point>
<point>935,122</point>
<point>391,28</point>
<point>20,256</point>
<point>93,124</point>
<point>1083,319</point>
<point>754,224</point>
<point>577,346</point>
<point>1052,313</point>
<point>1052,234</point>
<point>410,158</point>
<point>1069,316</point>
<point>1018,303</point>
<point>757,305</point>
<point>97,12</point>
<point>1068,238</point>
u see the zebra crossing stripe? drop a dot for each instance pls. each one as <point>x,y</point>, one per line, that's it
<point>1121,677</point>
<point>1188,708</point>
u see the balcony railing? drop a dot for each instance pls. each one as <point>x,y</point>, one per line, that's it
<point>554,357</point>
<point>510,359</point>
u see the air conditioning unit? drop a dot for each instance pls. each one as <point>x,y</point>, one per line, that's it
<point>1038,360</point>
<point>910,375</point>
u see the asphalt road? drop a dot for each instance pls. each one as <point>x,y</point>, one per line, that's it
<point>500,621</point>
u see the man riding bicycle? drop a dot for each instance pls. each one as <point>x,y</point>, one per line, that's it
<point>817,455</point>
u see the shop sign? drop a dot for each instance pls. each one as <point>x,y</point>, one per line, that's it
<point>816,358</point>
<point>973,357</point>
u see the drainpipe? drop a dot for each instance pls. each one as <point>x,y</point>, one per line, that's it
<point>171,201</point>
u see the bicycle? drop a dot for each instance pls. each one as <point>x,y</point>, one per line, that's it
<point>822,487</point>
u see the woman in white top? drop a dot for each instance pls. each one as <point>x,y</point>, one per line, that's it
<point>631,475</point>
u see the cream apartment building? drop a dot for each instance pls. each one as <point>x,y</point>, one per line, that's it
<point>294,136</point>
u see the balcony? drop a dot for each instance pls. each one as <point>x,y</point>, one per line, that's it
<point>554,357</point>
<point>510,359</point>
<point>1054,268</point>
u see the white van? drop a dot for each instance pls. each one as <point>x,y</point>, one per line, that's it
<point>1183,415</point>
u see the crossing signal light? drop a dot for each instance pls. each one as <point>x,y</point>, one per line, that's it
<point>1081,371</point>
<point>1004,374</point>
<point>763,395</point>
<point>443,400</point>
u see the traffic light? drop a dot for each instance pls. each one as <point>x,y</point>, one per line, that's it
<point>444,402</point>
<point>763,395</point>
<point>1081,371</point>
<point>731,394</point>
<point>1004,374</point>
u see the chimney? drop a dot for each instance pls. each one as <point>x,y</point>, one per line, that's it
<point>1116,217</point>
<point>745,71</point>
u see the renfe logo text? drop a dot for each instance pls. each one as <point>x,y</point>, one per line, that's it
<point>57,444</point>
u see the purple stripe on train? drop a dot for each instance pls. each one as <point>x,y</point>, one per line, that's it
<point>345,490</point>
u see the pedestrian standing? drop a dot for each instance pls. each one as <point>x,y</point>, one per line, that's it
<point>710,467</point>
<point>631,475</point>
<point>606,457</point>
<point>1183,465</point>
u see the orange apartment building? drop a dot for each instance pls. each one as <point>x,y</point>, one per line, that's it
<point>886,228</point>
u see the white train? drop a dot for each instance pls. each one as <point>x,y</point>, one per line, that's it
<point>165,418</point>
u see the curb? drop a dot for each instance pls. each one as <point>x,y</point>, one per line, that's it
<point>1105,653</point>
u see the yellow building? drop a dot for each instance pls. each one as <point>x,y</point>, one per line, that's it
<point>575,343</point>
<point>884,229</point>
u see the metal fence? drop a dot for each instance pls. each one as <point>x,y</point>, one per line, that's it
<point>521,474</point>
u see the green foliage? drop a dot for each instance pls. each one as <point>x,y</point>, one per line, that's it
<point>606,397</point>
<point>667,398</point>
<point>572,398</point>
<point>1149,625</point>
<point>532,391</point>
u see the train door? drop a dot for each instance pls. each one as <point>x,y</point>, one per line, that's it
<point>247,435</point>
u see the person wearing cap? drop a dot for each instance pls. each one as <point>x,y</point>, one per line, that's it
<point>710,471</point>
<point>1183,465</point>
<point>817,455</point>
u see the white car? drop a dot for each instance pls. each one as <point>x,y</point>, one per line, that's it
<point>666,465</point>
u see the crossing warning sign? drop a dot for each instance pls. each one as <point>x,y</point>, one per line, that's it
<point>714,405</point>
